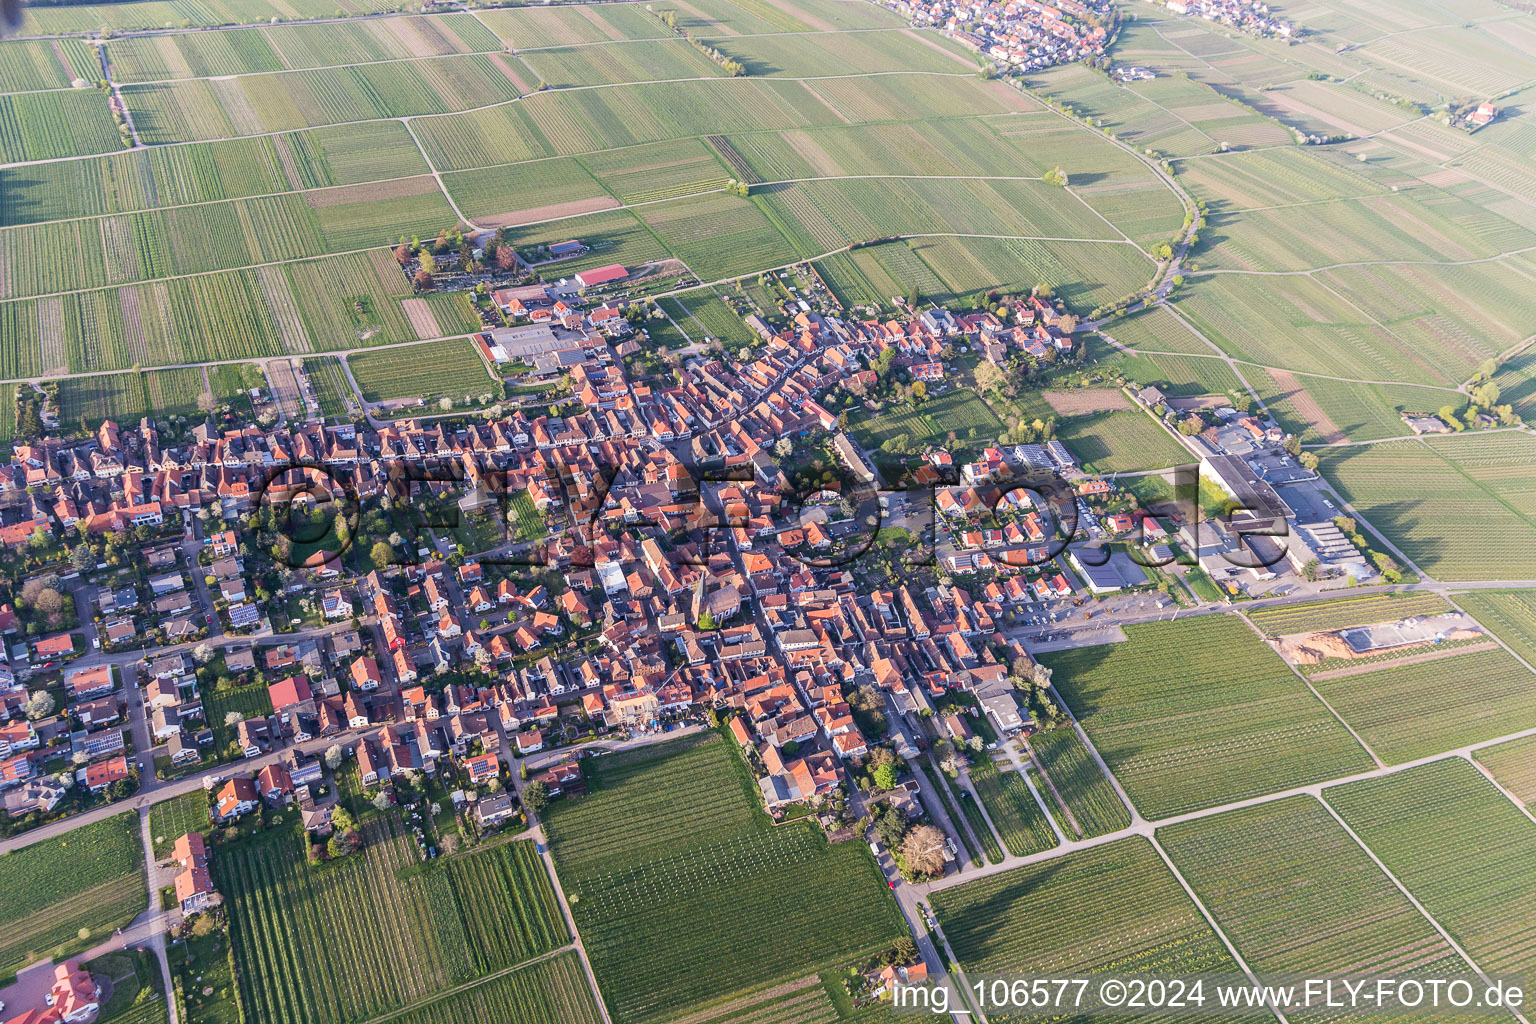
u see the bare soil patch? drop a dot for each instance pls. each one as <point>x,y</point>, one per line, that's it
<point>285,387</point>
<point>133,325</point>
<point>554,211</point>
<point>506,66</point>
<point>50,336</point>
<point>420,315</point>
<point>284,311</point>
<point>1087,401</point>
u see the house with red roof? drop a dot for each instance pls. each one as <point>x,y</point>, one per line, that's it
<point>237,798</point>
<point>97,777</point>
<point>194,884</point>
<point>288,692</point>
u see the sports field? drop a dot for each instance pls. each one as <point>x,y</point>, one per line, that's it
<point>1200,712</point>
<point>633,885</point>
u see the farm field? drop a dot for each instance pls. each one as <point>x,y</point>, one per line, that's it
<point>89,881</point>
<point>1467,868</point>
<point>1401,714</point>
<point>1020,823</point>
<point>302,934</point>
<point>295,47</point>
<point>438,369</point>
<point>1117,442</point>
<point>169,820</point>
<point>1298,324</point>
<point>1158,330</point>
<point>1295,893</point>
<point>703,310</point>
<point>1321,410</point>
<point>1179,376</point>
<point>1114,908</point>
<point>1460,507</point>
<point>51,125</point>
<point>552,991</point>
<point>1509,614</point>
<point>959,410</point>
<point>1343,612</point>
<point>1513,764</point>
<point>329,384</point>
<point>632,885</point>
<point>1088,794</point>
<point>1198,713</point>
<point>157,13</point>
<point>159,177</point>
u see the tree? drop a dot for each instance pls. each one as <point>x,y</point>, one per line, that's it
<point>333,755</point>
<point>1292,445</point>
<point>39,705</point>
<point>923,850</point>
<point>381,555</point>
<point>382,801</point>
<point>536,796</point>
<point>81,559</point>
<point>885,776</point>
<point>1308,461</point>
<point>423,281</point>
<point>506,258</point>
<point>402,254</point>
<point>1058,177</point>
<point>203,653</point>
<point>233,718</point>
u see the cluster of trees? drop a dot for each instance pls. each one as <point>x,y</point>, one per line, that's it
<point>732,67</point>
<point>1385,564</point>
<point>1056,176</point>
<point>1484,397</point>
<point>1032,680</point>
<point>917,849</point>
<point>346,837</point>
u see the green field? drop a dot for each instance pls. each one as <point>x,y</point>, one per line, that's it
<point>1088,794</point>
<point>1200,712</point>
<point>634,885</point>
<point>552,991</point>
<point>330,385</point>
<point>930,422</point>
<point>1460,507</point>
<point>65,895</point>
<point>169,820</point>
<point>1509,614</point>
<point>1114,908</point>
<point>1343,612</point>
<point>439,369</point>
<point>1012,808</point>
<point>1460,847</point>
<point>1295,893</point>
<point>1119,442</point>
<point>1401,712</point>
<point>1513,764</point>
<point>352,939</point>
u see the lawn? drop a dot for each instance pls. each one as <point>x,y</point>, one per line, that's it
<point>636,883</point>
<point>352,939</point>
<point>1087,792</point>
<point>1295,893</point>
<point>63,895</point>
<point>1201,712</point>
<point>1344,612</point>
<point>1114,908</point>
<point>1119,442</point>
<point>169,820</point>
<point>1460,847</point>
<point>1402,712</point>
